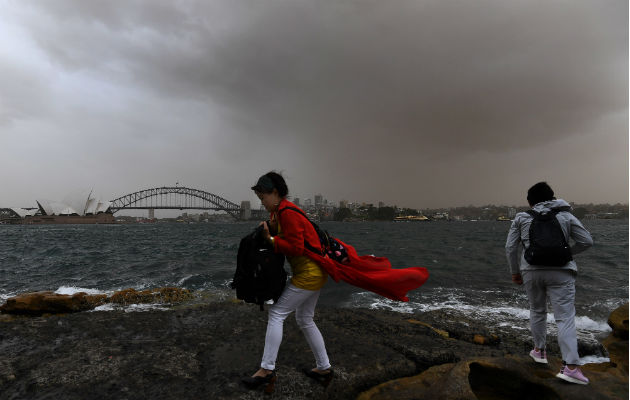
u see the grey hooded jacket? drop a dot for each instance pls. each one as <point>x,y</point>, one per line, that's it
<point>518,237</point>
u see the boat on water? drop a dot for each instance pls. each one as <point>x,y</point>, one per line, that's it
<point>504,219</point>
<point>411,218</point>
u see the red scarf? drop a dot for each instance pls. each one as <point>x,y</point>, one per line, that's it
<point>373,273</point>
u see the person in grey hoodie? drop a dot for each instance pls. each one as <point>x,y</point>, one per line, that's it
<point>556,282</point>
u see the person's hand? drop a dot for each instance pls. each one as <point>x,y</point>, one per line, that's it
<point>517,278</point>
<point>266,233</point>
<point>273,225</point>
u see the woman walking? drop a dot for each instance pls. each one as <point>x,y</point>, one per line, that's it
<point>288,231</point>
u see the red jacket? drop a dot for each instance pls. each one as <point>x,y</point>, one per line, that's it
<point>295,229</point>
<point>367,272</point>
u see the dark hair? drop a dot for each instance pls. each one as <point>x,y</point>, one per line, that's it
<point>539,192</point>
<point>270,181</point>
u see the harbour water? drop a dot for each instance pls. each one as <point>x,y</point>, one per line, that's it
<point>466,261</point>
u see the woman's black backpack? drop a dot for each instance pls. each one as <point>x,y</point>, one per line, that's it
<point>260,274</point>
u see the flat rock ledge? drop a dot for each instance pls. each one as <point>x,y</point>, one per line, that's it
<point>40,303</point>
<point>202,349</point>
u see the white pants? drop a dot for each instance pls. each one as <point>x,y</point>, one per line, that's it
<point>559,285</point>
<point>303,303</point>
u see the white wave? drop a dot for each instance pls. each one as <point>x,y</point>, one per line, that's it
<point>143,286</point>
<point>145,307</point>
<point>588,324</point>
<point>184,279</point>
<point>593,360</point>
<point>104,307</point>
<point>516,317</point>
<point>138,287</point>
<point>130,308</point>
<point>461,306</point>
<point>5,296</point>
<point>367,299</point>
<point>70,290</point>
<point>610,304</point>
<point>387,304</point>
<point>512,326</point>
<point>581,322</point>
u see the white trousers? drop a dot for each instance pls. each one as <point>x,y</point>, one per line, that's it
<point>559,286</point>
<point>303,302</point>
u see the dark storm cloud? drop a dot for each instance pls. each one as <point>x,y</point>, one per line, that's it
<point>479,74</point>
<point>420,90</point>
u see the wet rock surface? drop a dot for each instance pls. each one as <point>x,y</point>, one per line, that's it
<point>618,321</point>
<point>516,376</point>
<point>201,350</point>
<point>40,303</point>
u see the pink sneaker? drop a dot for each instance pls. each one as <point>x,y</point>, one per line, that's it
<point>572,375</point>
<point>540,356</point>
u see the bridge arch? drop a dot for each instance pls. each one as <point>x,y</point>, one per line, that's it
<point>173,198</point>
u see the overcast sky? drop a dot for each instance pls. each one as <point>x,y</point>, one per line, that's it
<point>420,104</point>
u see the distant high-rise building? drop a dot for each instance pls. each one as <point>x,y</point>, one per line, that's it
<point>343,204</point>
<point>319,200</point>
<point>296,201</point>
<point>381,204</point>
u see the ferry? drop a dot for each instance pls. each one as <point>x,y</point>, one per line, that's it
<point>411,218</point>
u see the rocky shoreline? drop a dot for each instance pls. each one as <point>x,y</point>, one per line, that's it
<point>201,348</point>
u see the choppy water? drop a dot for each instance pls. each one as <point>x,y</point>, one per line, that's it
<point>466,261</point>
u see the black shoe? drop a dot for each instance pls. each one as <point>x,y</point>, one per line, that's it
<point>254,382</point>
<point>323,379</point>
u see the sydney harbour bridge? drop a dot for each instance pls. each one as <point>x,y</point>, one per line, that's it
<point>179,198</point>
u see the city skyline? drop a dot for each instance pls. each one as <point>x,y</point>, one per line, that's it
<point>362,211</point>
<point>316,201</point>
<point>419,103</point>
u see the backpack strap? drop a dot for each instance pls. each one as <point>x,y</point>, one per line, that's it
<point>306,244</point>
<point>552,214</point>
<point>553,211</point>
<point>533,213</point>
<point>297,210</point>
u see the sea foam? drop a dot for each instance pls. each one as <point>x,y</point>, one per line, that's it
<point>593,360</point>
<point>70,290</point>
<point>501,315</point>
<point>5,296</point>
<point>145,307</point>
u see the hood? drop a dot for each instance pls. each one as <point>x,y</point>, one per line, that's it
<point>548,205</point>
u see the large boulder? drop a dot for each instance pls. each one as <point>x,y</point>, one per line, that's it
<point>618,321</point>
<point>510,377</point>
<point>167,295</point>
<point>617,342</point>
<point>39,303</point>
<point>516,377</point>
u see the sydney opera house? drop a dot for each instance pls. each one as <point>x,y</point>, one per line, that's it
<point>90,211</point>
